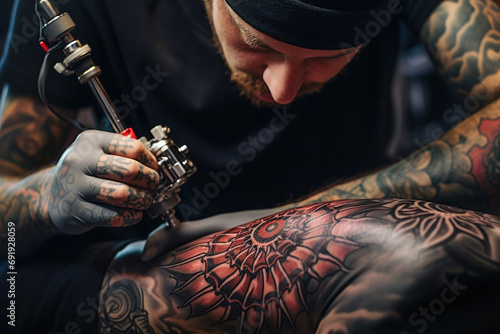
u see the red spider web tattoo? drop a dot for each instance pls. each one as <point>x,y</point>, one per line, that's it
<point>256,273</point>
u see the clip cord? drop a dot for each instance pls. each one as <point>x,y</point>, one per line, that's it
<point>43,75</point>
<point>41,90</point>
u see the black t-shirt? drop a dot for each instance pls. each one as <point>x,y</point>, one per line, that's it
<point>160,67</point>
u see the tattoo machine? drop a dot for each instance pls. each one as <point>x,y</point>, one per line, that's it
<point>176,168</point>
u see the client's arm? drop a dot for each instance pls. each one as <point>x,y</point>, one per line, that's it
<point>355,266</point>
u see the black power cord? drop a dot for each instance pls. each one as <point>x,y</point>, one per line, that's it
<point>42,76</point>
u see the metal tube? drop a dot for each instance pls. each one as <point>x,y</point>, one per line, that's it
<point>49,8</point>
<point>106,104</point>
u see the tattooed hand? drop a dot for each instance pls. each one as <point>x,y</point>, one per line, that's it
<point>103,179</point>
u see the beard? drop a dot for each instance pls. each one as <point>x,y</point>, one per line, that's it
<point>251,85</point>
<point>248,84</point>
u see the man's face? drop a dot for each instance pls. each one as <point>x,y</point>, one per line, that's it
<point>267,71</point>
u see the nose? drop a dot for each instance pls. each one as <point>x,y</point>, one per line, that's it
<point>284,80</point>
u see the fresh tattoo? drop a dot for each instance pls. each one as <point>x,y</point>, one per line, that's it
<point>287,273</point>
<point>261,271</point>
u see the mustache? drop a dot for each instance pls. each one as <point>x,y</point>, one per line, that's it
<point>250,85</point>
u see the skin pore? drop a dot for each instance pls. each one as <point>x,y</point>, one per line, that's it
<point>267,71</point>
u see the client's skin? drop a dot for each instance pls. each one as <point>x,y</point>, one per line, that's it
<point>354,266</point>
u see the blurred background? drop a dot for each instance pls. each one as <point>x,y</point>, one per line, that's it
<point>4,20</point>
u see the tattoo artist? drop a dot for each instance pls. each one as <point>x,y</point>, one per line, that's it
<point>277,100</point>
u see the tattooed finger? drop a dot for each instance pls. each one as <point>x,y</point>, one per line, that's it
<point>125,218</point>
<point>115,144</point>
<point>85,215</point>
<point>117,194</point>
<point>106,216</point>
<point>127,170</point>
<point>134,149</point>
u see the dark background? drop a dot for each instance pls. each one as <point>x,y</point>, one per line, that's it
<point>419,94</point>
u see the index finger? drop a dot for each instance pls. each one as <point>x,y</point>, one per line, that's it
<point>131,148</point>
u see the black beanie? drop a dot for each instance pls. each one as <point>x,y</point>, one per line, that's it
<point>317,24</point>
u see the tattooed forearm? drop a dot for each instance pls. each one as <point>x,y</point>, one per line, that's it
<point>30,138</point>
<point>463,36</point>
<point>356,266</point>
<point>22,202</point>
<point>459,169</point>
<point>102,179</point>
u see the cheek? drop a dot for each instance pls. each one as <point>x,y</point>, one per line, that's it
<point>242,59</point>
<point>247,61</point>
<point>235,53</point>
<point>324,71</point>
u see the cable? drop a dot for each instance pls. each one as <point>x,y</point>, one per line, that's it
<point>43,75</point>
<point>41,21</point>
<point>41,89</point>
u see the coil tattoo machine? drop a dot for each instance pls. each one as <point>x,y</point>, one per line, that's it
<point>176,168</point>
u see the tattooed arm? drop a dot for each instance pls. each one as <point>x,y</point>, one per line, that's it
<point>30,138</point>
<point>462,167</point>
<point>356,266</point>
<point>103,179</point>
